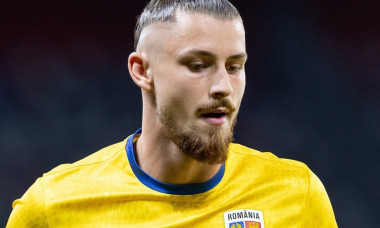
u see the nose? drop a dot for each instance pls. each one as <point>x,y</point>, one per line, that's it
<point>221,85</point>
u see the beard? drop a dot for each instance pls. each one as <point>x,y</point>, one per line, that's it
<point>211,150</point>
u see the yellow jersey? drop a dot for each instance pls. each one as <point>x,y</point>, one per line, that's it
<point>108,189</point>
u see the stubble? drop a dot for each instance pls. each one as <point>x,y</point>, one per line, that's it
<point>211,149</point>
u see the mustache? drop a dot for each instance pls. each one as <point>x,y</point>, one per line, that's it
<point>225,103</point>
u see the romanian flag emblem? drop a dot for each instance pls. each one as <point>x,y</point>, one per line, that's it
<point>245,218</point>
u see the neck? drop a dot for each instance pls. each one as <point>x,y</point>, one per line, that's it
<point>160,158</point>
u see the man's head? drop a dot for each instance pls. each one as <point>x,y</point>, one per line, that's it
<point>189,62</point>
<point>165,11</point>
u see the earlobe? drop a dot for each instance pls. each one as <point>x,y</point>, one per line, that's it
<point>138,69</point>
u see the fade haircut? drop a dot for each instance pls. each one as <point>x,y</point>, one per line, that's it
<point>164,11</point>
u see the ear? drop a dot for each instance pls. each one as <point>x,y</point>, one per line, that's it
<point>138,69</point>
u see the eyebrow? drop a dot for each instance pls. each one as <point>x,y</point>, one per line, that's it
<point>239,56</point>
<point>202,53</point>
<point>212,55</point>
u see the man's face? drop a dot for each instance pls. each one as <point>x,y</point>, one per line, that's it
<point>197,66</point>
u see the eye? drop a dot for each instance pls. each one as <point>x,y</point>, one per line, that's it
<point>196,66</point>
<point>233,68</point>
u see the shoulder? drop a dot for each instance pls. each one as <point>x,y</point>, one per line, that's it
<point>264,167</point>
<point>86,176</point>
<point>94,159</point>
<point>63,182</point>
<point>287,175</point>
<point>247,163</point>
<point>246,154</point>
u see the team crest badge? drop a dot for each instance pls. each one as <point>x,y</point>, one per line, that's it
<point>245,218</point>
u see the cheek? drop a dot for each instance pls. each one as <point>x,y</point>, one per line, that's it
<point>177,98</point>
<point>238,85</point>
<point>185,96</point>
<point>186,89</point>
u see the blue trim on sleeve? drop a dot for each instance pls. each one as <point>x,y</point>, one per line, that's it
<point>175,189</point>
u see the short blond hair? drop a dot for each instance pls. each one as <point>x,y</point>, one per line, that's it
<point>164,11</point>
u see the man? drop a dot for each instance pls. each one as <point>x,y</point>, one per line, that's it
<point>181,169</point>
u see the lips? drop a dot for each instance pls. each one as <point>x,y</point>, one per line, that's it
<point>215,116</point>
<point>216,112</point>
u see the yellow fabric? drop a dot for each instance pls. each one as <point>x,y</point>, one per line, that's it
<point>102,191</point>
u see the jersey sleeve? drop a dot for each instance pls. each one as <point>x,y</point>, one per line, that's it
<point>29,210</point>
<point>318,210</point>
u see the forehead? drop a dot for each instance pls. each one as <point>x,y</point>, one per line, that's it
<point>195,31</point>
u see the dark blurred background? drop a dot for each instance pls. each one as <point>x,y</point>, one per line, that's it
<point>312,90</point>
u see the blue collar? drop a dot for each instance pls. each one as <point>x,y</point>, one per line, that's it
<point>175,189</point>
